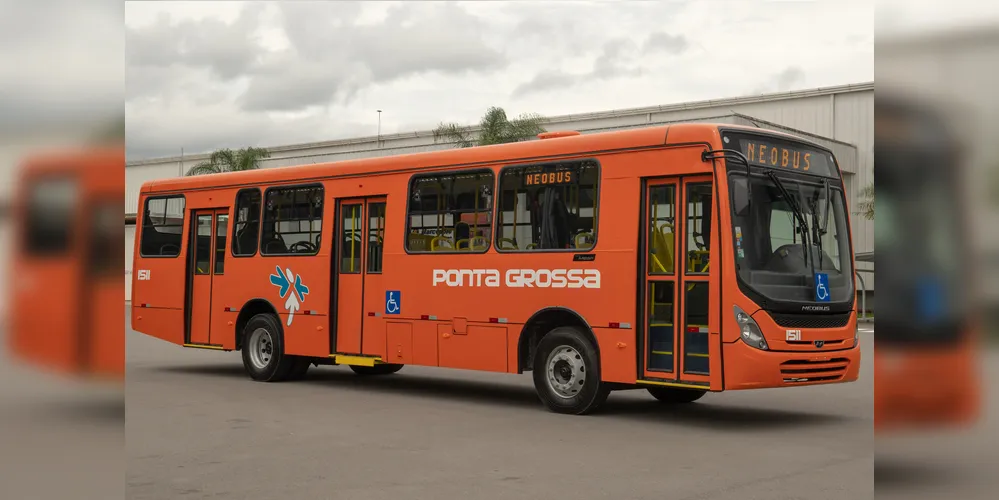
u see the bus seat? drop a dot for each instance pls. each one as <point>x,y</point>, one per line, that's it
<point>584,240</point>
<point>462,233</point>
<point>662,251</point>
<point>440,243</point>
<point>275,245</point>
<point>507,244</point>
<point>479,243</point>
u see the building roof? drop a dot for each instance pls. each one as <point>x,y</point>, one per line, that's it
<point>732,101</point>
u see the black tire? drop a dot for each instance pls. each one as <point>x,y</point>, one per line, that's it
<point>381,369</point>
<point>576,364</point>
<point>676,395</point>
<point>269,365</point>
<point>299,368</point>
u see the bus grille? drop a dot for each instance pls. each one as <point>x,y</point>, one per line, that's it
<point>811,320</point>
<point>803,370</point>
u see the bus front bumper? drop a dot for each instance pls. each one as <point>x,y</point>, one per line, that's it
<point>750,368</point>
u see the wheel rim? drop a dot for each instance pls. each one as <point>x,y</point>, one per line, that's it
<point>261,348</point>
<point>566,371</point>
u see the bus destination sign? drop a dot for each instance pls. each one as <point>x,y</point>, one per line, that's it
<point>553,178</point>
<point>787,156</point>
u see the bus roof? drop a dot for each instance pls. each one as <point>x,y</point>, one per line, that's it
<point>518,151</point>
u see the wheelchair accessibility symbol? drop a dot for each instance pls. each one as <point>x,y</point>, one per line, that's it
<point>393,302</point>
<point>821,287</point>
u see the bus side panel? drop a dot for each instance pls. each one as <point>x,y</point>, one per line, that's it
<point>617,354</point>
<point>158,285</point>
<point>247,278</point>
<point>425,343</point>
<point>107,332</point>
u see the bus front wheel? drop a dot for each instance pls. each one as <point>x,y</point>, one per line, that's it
<point>675,395</point>
<point>567,373</point>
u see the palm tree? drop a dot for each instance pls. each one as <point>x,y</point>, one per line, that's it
<point>494,128</point>
<point>866,204</point>
<point>227,160</point>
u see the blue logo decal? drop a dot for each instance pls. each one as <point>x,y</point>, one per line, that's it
<point>822,287</point>
<point>393,302</point>
<point>284,280</point>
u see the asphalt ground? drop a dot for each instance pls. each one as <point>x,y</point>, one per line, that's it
<point>197,427</point>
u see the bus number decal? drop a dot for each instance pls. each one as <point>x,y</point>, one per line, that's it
<point>518,278</point>
<point>143,274</point>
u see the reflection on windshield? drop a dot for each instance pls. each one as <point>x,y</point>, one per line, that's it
<point>771,241</point>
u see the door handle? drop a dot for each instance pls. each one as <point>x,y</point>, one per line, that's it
<point>446,335</point>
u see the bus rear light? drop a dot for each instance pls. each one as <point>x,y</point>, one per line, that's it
<point>428,316</point>
<point>497,320</point>
<point>620,325</point>
<point>227,309</point>
<point>307,312</point>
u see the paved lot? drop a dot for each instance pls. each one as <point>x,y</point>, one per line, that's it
<point>197,427</point>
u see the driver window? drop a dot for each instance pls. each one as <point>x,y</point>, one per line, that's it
<point>162,227</point>
<point>293,218</point>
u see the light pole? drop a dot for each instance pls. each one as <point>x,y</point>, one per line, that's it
<point>379,128</point>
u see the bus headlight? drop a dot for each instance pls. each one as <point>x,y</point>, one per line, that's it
<point>749,330</point>
<point>856,335</point>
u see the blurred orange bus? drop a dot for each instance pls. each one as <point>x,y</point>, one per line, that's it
<point>683,259</point>
<point>65,272</point>
<point>926,357</point>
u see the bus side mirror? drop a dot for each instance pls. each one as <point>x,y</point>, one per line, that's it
<point>740,196</point>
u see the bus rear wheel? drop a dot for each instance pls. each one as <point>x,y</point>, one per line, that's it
<point>567,373</point>
<point>263,350</point>
<point>675,395</point>
<point>381,369</point>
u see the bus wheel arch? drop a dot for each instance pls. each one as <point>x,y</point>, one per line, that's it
<point>252,308</point>
<point>540,324</point>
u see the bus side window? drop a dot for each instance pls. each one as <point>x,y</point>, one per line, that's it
<point>246,230</point>
<point>292,221</point>
<point>698,228</point>
<point>376,236</point>
<point>450,212</point>
<point>162,227</point>
<point>550,206</point>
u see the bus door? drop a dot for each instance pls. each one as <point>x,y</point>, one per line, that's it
<point>675,280</point>
<point>359,291</point>
<point>208,233</point>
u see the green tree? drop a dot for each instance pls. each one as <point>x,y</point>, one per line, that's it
<point>494,128</point>
<point>227,160</point>
<point>866,204</point>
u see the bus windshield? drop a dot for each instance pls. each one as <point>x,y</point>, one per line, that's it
<point>785,215</point>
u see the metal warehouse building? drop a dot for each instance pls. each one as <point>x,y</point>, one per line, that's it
<point>840,118</point>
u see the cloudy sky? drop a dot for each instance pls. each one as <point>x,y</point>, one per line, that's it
<point>203,75</point>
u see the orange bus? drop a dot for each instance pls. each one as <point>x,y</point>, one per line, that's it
<point>926,357</point>
<point>64,272</point>
<point>683,259</point>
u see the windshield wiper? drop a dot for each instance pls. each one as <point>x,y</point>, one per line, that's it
<point>796,210</point>
<point>820,226</point>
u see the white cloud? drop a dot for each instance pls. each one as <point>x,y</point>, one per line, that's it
<point>227,74</point>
